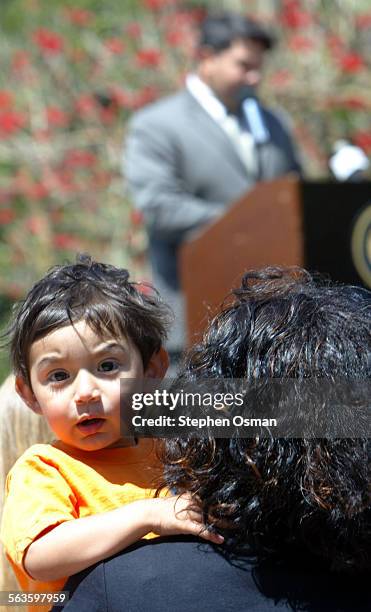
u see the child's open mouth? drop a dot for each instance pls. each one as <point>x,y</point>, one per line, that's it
<point>90,426</point>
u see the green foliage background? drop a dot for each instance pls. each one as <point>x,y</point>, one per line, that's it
<point>61,185</point>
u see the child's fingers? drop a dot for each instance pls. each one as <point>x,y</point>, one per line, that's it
<point>188,514</point>
<point>211,536</point>
<point>199,529</point>
<point>189,519</point>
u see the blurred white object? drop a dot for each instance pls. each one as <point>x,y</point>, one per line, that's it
<point>348,161</point>
<point>255,120</point>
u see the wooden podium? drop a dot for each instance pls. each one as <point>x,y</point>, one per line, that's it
<point>283,222</point>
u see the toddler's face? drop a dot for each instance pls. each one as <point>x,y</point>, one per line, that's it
<point>75,379</point>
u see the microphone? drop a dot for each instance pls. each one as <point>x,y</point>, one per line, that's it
<point>253,115</point>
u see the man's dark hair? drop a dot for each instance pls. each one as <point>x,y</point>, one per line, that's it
<point>220,31</point>
<point>100,294</point>
<point>279,496</point>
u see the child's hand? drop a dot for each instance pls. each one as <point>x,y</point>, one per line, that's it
<point>181,514</point>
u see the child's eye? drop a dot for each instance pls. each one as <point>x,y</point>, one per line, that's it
<point>109,365</point>
<point>58,376</point>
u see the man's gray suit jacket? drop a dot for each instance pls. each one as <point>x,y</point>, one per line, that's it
<point>183,170</point>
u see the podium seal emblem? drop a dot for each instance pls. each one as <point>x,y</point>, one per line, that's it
<point>361,245</point>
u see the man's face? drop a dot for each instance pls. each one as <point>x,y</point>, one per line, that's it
<point>227,72</point>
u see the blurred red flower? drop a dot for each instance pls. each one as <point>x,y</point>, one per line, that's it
<point>175,37</point>
<point>35,225</point>
<point>281,78</point>
<point>6,195</point>
<point>80,17</point>
<point>11,122</point>
<point>65,241</point>
<point>115,45</point>
<point>351,62</point>
<point>355,103</point>
<point>136,217</point>
<point>86,105</point>
<point>56,117</point>
<point>144,96</point>
<point>362,139</point>
<point>121,97</point>
<point>363,21</point>
<point>49,42</point>
<point>350,103</point>
<point>37,191</point>
<point>65,181</point>
<point>6,99</point>
<point>198,13</point>
<point>108,115</point>
<point>133,30</point>
<point>182,18</point>
<point>7,215</point>
<point>156,5</point>
<point>149,58</point>
<point>24,184</point>
<point>20,60</point>
<point>293,16</point>
<point>300,43</point>
<point>79,158</point>
<point>100,179</point>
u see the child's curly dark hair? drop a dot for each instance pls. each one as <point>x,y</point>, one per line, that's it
<point>273,496</point>
<point>102,295</point>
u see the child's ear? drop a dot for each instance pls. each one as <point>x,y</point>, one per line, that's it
<point>158,364</point>
<point>24,390</point>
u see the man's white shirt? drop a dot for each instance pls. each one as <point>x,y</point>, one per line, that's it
<point>240,137</point>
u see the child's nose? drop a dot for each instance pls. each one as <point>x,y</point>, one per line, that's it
<point>86,389</point>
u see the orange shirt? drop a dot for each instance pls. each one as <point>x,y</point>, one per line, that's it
<point>52,483</point>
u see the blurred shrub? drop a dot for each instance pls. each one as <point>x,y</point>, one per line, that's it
<point>72,72</point>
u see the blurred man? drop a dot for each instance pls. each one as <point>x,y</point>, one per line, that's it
<point>190,155</point>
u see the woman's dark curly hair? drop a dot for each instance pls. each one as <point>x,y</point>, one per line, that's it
<point>275,496</point>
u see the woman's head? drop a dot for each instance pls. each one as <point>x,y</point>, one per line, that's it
<point>286,323</point>
<point>274,495</point>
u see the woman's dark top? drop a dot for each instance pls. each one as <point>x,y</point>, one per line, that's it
<point>185,574</point>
